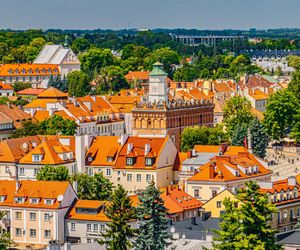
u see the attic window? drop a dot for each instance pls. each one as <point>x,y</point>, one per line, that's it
<point>49,201</point>
<point>19,200</point>
<point>2,198</point>
<point>34,200</point>
<point>129,161</point>
<point>36,158</point>
<point>149,161</point>
<point>110,159</point>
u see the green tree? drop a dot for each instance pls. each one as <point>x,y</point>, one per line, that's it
<point>153,222</point>
<point>239,135</point>
<point>51,173</point>
<point>247,226</point>
<point>57,125</point>
<point>78,83</point>
<point>192,136</point>
<point>259,138</point>
<point>5,241</point>
<point>27,128</point>
<point>166,56</point>
<point>281,111</point>
<point>95,187</point>
<point>119,234</point>
<point>80,44</point>
<point>294,61</point>
<point>294,85</point>
<point>237,112</point>
<point>111,79</point>
<point>18,86</point>
<point>94,59</point>
<point>34,48</point>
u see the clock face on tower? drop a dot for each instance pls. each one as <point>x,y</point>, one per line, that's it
<point>155,89</point>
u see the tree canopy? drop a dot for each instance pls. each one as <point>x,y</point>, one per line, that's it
<point>247,226</point>
<point>55,125</point>
<point>78,83</point>
<point>53,173</point>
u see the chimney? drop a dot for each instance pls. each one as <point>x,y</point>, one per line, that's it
<point>51,111</point>
<point>129,147</point>
<point>18,185</point>
<point>123,138</point>
<point>8,104</point>
<point>194,152</point>
<point>223,147</point>
<point>167,190</point>
<point>147,148</point>
<point>212,170</point>
<point>292,181</point>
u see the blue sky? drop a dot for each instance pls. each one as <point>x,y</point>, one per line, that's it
<point>117,14</point>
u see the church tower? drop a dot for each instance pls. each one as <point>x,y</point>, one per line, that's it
<point>158,84</point>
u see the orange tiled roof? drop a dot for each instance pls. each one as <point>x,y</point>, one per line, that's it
<point>99,216</point>
<point>278,186</point>
<point>258,95</point>
<point>175,200</point>
<point>15,114</point>
<point>50,150</point>
<point>5,86</point>
<point>222,87</point>
<point>137,75</point>
<point>40,103</point>
<point>27,69</point>
<point>52,93</point>
<point>230,150</point>
<point>30,91</point>
<point>224,168</point>
<point>138,151</point>
<point>102,148</point>
<point>32,189</point>
<point>12,150</point>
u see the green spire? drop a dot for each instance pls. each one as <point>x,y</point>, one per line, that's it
<point>66,44</point>
<point>158,70</point>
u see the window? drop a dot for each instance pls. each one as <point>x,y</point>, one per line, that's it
<point>47,217</point>
<point>88,227</point>
<point>95,227</point>
<point>18,215</point>
<point>196,193</point>
<point>91,171</point>
<point>21,171</point>
<point>32,233</point>
<point>291,214</point>
<point>214,193</point>
<point>48,202</point>
<point>19,200</point>
<point>47,233</point>
<point>35,171</point>
<point>149,162</point>
<point>129,177</point>
<point>32,216</point>
<point>88,240</point>
<point>102,228</point>
<point>108,171</point>
<point>148,177</point>
<point>18,231</point>
<point>73,226</point>
<point>2,198</point>
<point>36,158</point>
<point>219,203</point>
<point>34,201</point>
<point>138,177</point>
<point>129,161</point>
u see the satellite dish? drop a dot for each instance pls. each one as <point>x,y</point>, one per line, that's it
<point>60,197</point>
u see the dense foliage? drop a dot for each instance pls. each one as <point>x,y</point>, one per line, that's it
<point>119,234</point>
<point>237,112</point>
<point>153,222</point>
<point>192,136</point>
<point>5,241</point>
<point>247,226</point>
<point>78,84</point>
<point>95,187</point>
<point>53,173</point>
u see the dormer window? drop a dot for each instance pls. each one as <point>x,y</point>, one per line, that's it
<point>23,71</point>
<point>19,200</point>
<point>110,159</point>
<point>295,194</point>
<point>37,71</point>
<point>36,158</point>
<point>2,198</point>
<point>65,157</point>
<point>30,71</point>
<point>149,161</point>
<point>17,71</point>
<point>49,71</point>
<point>49,201</point>
<point>34,200</point>
<point>10,71</point>
<point>129,161</point>
<point>43,71</point>
<point>237,173</point>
